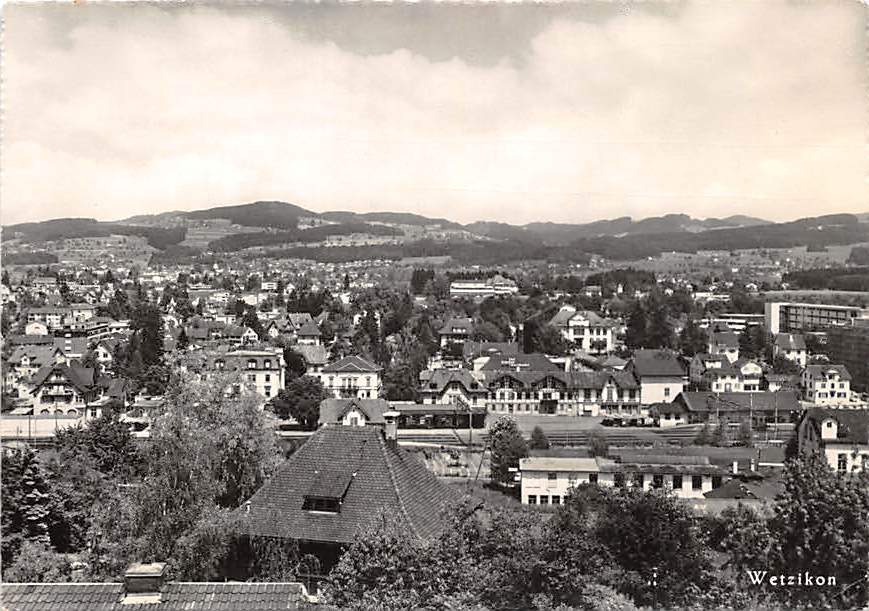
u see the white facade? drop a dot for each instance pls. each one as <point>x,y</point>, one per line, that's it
<point>547,481</point>
<point>660,389</point>
<point>825,386</point>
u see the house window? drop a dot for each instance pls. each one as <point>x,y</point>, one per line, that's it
<point>696,482</point>
<point>716,481</point>
<point>639,480</point>
<point>677,482</point>
<point>556,500</point>
<point>842,463</point>
<point>354,420</point>
<point>267,364</point>
<point>592,478</point>
<point>667,391</point>
<point>544,499</point>
<point>532,499</point>
<point>657,481</point>
<point>619,480</point>
<point>552,477</point>
<point>251,377</point>
<point>268,391</point>
<point>219,364</point>
<point>251,364</point>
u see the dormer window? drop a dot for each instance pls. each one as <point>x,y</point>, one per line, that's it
<point>251,364</point>
<point>322,504</point>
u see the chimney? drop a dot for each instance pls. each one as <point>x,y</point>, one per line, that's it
<point>390,429</point>
<point>143,583</point>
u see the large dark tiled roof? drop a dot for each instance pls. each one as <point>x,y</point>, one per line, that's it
<point>379,475</point>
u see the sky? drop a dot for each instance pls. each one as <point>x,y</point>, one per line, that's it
<point>502,112</point>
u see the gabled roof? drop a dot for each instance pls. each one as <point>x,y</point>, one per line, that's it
<point>297,319</point>
<point>351,364</point>
<point>465,324</point>
<point>562,316</point>
<point>437,380</point>
<point>725,338</point>
<point>705,357</point>
<point>705,401</point>
<point>309,329</point>
<point>39,355</point>
<point>384,478</point>
<point>174,596</point>
<point>334,410</point>
<point>520,362</point>
<point>790,341</point>
<point>656,363</point>
<point>816,371</point>
<point>853,424</point>
<point>313,355</point>
<point>82,378</point>
<point>471,349</point>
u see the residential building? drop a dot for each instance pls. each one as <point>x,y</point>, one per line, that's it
<point>549,480</point>
<point>659,374</point>
<point>456,331</point>
<point>308,334</point>
<point>62,389</point>
<point>261,370</point>
<point>827,384</point>
<point>701,363</point>
<point>340,481</point>
<point>353,412</point>
<point>840,435</point>
<point>725,343</point>
<point>801,317</point>
<point>51,316</point>
<point>588,330</point>
<point>791,346</point>
<point>25,361</point>
<point>315,357</point>
<point>350,377</point>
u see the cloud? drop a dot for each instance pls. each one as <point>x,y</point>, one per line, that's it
<point>712,110</point>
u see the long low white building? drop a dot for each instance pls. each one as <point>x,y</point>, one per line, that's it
<point>548,480</point>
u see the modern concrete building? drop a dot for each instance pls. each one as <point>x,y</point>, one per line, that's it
<point>780,317</point>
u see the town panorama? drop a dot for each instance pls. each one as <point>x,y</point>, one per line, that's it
<point>471,307</point>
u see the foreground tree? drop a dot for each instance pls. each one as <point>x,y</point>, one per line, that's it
<point>821,525</point>
<point>507,446</point>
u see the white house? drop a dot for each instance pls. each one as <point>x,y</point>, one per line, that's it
<point>791,346</point>
<point>589,331</point>
<point>841,435</point>
<point>827,384</point>
<point>350,377</point>
<point>725,343</point>
<point>659,373</point>
<point>548,480</point>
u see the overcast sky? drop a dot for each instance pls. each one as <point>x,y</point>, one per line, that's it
<point>490,112</point>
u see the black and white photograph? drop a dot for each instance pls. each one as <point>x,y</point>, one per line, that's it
<point>495,305</point>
